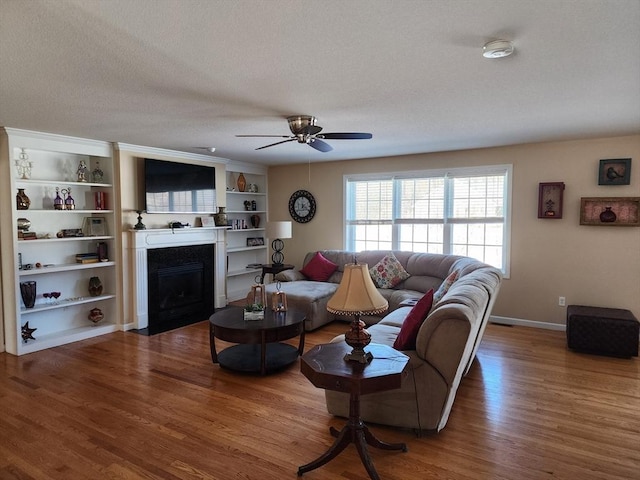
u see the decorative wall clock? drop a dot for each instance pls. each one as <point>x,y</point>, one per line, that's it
<point>302,206</point>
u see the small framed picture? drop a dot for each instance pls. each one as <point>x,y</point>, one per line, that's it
<point>207,221</point>
<point>615,171</point>
<point>255,241</point>
<point>95,226</point>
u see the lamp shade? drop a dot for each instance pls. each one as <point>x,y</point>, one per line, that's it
<point>356,294</point>
<point>278,230</point>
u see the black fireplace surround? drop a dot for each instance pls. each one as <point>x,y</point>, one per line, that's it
<point>181,286</point>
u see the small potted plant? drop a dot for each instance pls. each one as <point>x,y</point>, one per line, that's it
<point>254,311</point>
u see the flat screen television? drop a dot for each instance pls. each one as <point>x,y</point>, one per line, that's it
<point>172,187</point>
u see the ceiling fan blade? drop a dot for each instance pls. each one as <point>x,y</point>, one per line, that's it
<point>277,143</point>
<point>320,145</point>
<point>346,136</point>
<point>311,130</point>
<point>272,136</point>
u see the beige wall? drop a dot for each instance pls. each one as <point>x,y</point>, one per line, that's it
<point>549,258</point>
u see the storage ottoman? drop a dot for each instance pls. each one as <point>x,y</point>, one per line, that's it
<point>603,331</point>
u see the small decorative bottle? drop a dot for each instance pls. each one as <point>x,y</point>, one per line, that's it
<point>58,203</point>
<point>69,202</point>
<point>97,174</point>
<point>95,287</point>
<point>22,201</point>
<point>95,315</point>
<point>242,183</point>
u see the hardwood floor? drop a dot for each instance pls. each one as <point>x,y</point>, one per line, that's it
<point>126,406</point>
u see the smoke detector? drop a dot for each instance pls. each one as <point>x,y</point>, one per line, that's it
<point>497,49</point>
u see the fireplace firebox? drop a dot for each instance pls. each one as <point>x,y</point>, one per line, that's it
<point>181,286</point>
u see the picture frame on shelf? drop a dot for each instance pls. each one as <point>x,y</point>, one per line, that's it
<point>614,171</point>
<point>95,226</point>
<point>255,241</point>
<point>207,221</point>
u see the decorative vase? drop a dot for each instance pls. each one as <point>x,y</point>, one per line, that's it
<point>608,215</point>
<point>95,315</point>
<point>28,292</point>
<point>69,202</point>
<point>255,221</point>
<point>95,287</point>
<point>58,203</point>
<point>22,201</point>
<point>24,224</point>
<point>242,183</point>
<point>220,218</point>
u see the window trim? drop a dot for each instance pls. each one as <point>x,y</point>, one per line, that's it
<point>480,171</point>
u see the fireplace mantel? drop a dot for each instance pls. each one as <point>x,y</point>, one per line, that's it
<point>143,240</point>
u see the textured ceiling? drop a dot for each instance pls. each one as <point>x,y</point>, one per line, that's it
<point>182,74</point>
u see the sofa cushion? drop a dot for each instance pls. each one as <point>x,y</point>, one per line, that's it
<point>388,272</point>
<point>406,339</point>
<point>319,269</point>
<point>444,287</point>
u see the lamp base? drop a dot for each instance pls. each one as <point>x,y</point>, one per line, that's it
<point>359,356</point>
<point>358,338</point>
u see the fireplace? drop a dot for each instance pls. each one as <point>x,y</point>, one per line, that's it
<point>181,285</point>
<point>183,270</point>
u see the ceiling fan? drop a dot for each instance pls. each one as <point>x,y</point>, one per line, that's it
<point>305,130</point>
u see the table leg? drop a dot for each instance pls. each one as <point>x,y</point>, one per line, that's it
<point>263,354</point>
<point>357,432</point>
<point>344,439</point>
<point>212,344</point>
<point>301,344</point>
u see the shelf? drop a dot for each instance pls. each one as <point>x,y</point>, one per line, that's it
<point>65,268</point>
<point>621,211</point>
<point>62,182</point>
<point>244,249</point>
<point>246,211</point>
<point>67,336</point>
<point>246,271</point>
<point>229,192</point>
<point>241,230</point>
<point>66,239</point>
<point>65,212</point>
<point>68,302</point>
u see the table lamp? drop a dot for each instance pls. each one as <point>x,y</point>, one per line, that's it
<point>357,295</point>
<point>277,231</point>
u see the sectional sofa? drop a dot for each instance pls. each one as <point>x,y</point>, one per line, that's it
<point>446,342</point>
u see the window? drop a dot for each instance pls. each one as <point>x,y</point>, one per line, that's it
<point>458,211</point>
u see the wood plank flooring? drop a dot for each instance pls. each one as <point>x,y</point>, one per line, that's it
<point>126,406</point>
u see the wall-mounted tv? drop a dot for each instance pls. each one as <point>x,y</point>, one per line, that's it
<point>172,187</point>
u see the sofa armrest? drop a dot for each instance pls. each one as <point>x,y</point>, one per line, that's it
<point>289,276</point>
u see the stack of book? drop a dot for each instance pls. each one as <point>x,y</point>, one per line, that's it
<point>26,235</point>
<point>87,258</point>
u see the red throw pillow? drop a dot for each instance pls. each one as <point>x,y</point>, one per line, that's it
<point>319,268</point>
<point>406,339</point>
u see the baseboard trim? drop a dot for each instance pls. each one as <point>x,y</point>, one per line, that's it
<point>526,323</point>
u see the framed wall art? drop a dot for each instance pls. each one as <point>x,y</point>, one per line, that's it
<point>550,199</point>
<point>615,171</point>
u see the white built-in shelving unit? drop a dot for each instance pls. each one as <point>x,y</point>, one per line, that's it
<point>50,260</point>
<point>240,249</point>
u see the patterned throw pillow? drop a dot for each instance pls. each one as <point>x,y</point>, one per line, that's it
<point>388,272</point>
<point>319,268</point>
<point>444,287</point>
<point>406,339</point>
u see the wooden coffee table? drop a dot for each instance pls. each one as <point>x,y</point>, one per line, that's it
<point>259,342</point>
<point>325,367</point>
